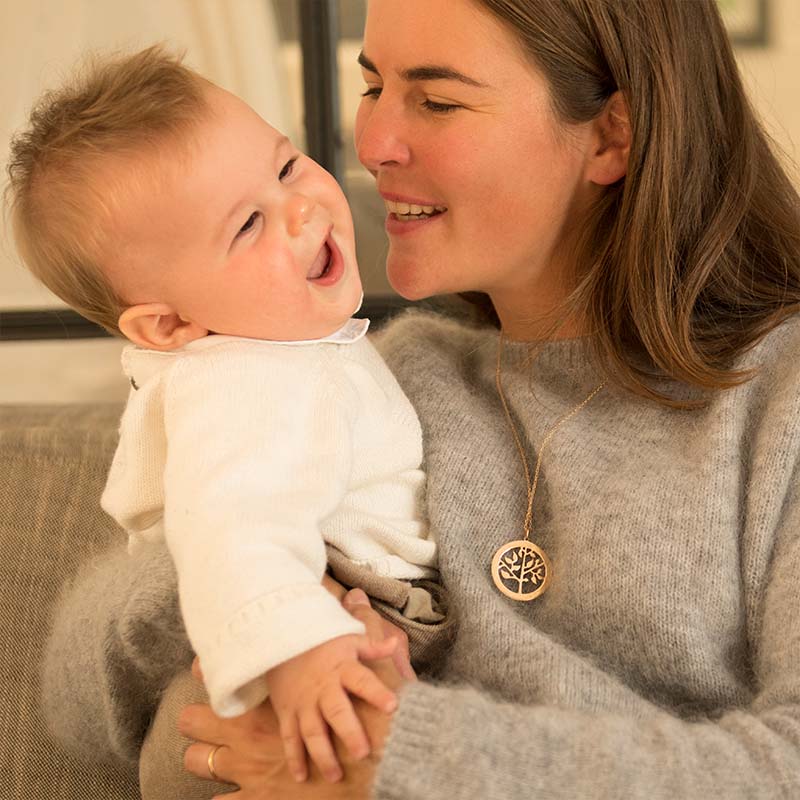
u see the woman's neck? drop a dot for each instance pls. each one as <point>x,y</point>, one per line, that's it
<point>533,306</point>
<point>525,321</point>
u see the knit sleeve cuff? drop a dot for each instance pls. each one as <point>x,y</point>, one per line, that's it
<point>267,633</point>
<point>416,725</point>
<point>457,742</point>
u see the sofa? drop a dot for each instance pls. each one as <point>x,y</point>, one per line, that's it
<point>53,461</point>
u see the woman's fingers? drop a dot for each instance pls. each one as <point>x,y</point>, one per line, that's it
<point>208,761</point>
<point>355,597</point>
<point>373,651</point>
<point>357,603</point>
<point>199,722</point>
<point>402,663</point>
<point>402,654</point>
<point>333,586</point>
<point>338,712</point>
<point>318,743</point>
<point>361,681</point>
<point>379,629</point>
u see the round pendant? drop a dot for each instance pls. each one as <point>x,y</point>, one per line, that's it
<point>521,570</point>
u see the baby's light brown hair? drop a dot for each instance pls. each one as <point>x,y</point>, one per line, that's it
<point>114,107</point>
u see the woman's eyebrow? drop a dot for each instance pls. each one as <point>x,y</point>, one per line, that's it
<point>425,72</point>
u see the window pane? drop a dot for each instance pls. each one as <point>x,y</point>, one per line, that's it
<point>233,42</point>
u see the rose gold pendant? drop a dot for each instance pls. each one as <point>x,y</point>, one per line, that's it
<point>521,570</point>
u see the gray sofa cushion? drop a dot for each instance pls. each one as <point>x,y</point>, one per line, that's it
<point>53,463</point>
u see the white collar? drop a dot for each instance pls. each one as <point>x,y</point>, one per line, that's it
<point>147,362</point>
<point>353,330</point>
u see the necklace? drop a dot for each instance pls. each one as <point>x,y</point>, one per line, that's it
<point>521,570</point>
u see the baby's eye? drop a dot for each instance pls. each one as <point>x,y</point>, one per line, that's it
<point>251,220</point>
<point>287,169</point>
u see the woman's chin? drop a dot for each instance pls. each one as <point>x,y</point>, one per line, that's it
<point>408,285</point>
<point>410,293</point>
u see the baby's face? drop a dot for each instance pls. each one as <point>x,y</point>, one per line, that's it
<point>243,234</point>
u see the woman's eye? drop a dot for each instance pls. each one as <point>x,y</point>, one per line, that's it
<point>440,108</point>
<point>371,91</point>
<point>251,221</point>
<point>287,169</point>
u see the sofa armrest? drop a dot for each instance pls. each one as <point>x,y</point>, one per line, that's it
<point>53,462</point>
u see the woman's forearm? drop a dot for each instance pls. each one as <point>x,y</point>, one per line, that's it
<point>457,743</point>
<point>116,640</point>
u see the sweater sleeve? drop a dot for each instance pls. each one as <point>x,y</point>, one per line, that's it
<point>455,742</point>
<point>458,742</point>
<point>116,641</point>
<point>258,454</point>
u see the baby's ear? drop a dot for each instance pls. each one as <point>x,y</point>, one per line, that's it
<point>158,326</point>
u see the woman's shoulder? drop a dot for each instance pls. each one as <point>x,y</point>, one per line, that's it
<point>770,393</point>
<point>774,357</point>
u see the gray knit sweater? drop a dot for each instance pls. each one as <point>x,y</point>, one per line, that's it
<point>662,662</point>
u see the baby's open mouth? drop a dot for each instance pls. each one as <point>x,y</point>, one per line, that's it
<point>322,263</point>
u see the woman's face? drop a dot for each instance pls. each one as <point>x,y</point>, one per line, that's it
<point>456,122</point>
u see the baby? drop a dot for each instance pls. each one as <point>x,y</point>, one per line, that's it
<point>262,427</point>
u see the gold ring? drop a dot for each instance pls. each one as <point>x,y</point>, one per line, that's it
<point>211,755</point>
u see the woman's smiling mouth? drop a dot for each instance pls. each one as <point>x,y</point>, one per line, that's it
<point>412,211</point>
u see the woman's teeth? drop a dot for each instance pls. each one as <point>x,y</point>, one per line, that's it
<point>409,211</point>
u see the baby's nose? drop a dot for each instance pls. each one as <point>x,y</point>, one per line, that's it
<point>299,210</point>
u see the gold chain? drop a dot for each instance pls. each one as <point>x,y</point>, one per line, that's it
<point>548,436</point>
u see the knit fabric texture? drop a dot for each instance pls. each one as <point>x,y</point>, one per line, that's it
<point>247,457</point>
<point>664,659</point>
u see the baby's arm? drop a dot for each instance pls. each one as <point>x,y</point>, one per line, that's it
<point>311,693</point>
<point>243,505</point>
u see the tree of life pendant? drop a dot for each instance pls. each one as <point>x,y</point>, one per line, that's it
<point>521,570</point>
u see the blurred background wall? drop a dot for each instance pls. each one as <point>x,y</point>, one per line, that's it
<point>251,47</point>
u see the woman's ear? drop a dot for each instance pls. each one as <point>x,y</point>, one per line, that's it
<point>608,161</point>
<point>158,326</point>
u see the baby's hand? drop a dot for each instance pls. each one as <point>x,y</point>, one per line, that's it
<point>311,692</point>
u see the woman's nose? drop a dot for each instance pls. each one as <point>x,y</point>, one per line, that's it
<point>380,137</point>
<point>299,210</point>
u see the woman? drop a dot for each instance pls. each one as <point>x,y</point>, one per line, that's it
<point>594,169</point>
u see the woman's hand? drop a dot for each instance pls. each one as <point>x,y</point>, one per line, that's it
<point>248,751</point>
<point>250,755</point>
<point>357,597</point>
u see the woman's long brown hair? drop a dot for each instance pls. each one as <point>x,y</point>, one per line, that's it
<point>695,255</point>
